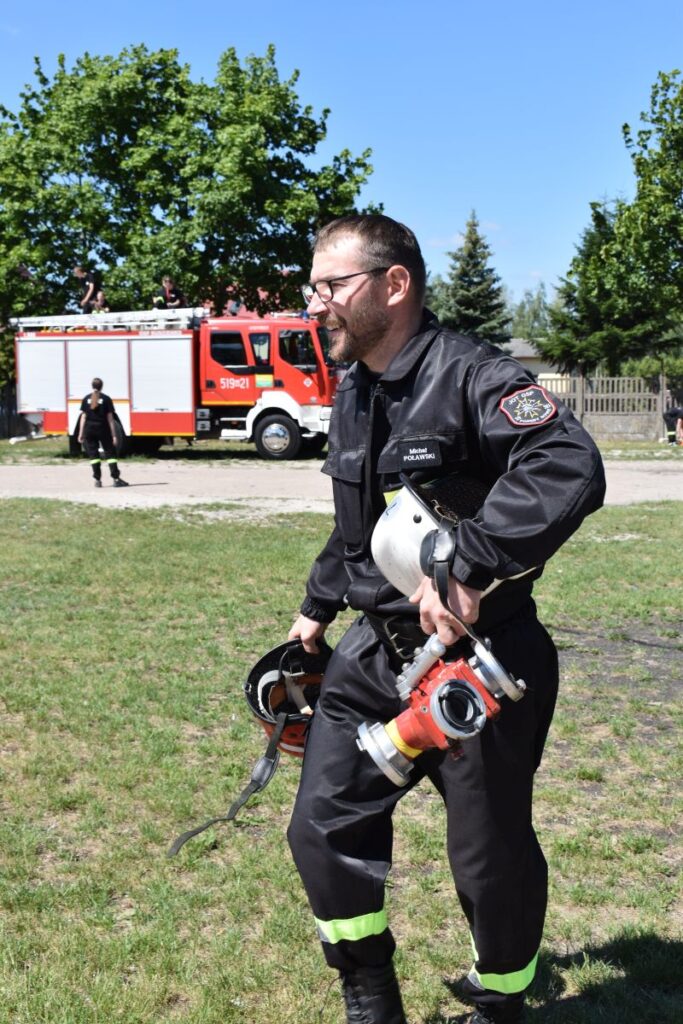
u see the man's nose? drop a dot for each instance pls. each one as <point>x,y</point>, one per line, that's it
<point>316,305</point>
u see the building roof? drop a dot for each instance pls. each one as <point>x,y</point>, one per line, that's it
<point>520,348</point>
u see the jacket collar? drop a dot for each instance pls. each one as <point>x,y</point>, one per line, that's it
<point>358,374</point>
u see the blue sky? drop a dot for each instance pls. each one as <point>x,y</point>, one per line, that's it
<point>511,109</point>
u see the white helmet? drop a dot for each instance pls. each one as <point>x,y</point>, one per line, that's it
<point>420,511</point>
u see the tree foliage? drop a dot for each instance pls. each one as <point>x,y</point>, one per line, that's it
<point>472,299</point>
<point>531,315</point>
<point>646,256</point>
<point>650,367</point>
<point>623,294</point>
<point>586,327</point>
<point>126,163</point>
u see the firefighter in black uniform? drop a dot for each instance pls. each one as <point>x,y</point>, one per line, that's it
<point>169,296</point>
<point>425,400</point>
<point>673,419</point>
<point>96,428</point>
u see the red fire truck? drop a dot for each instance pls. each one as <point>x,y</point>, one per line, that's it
<point>181,373</point>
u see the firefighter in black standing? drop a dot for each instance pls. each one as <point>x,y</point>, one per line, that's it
<point>673,419</point>
<point>97,429</point>
<point>424,400</point>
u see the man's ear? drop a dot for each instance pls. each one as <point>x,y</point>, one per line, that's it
<point>398,282</point>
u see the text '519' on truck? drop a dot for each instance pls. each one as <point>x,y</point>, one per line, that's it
<point>181,373</point>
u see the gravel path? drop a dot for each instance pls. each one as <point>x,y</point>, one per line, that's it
<point>286,487</point>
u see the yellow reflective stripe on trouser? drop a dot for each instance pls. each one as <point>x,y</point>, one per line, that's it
<point>112,460</point>
<point>508,984</point>
<point>94,462</point>
<point>352,928</point>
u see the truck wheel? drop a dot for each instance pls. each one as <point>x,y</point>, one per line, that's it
<point>145,445</point>
<point>75,447</point>
<point>277,437</point>
<point>121,446</point>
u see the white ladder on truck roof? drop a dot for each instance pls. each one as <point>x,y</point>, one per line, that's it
<point>137,320</point>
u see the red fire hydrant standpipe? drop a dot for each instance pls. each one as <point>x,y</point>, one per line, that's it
<point>447,702</point>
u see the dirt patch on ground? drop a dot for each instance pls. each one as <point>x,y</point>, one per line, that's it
<point>268,487</point>
<point>640,663</point>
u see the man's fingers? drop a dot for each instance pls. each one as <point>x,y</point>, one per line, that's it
<point>417,595</point>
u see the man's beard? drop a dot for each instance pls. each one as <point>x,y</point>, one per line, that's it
<point>356,337</point>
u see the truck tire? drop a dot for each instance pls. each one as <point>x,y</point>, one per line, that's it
<point>122,442</point>
<point>75,446</point>
<point>277,437</point>
<point>145,445</point>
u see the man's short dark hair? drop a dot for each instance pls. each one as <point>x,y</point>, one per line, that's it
<point>383,240</point>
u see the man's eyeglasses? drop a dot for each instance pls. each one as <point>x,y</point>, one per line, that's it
<point>324,289</point>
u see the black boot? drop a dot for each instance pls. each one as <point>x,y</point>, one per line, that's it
<point>493,1007</point>
<point>483,1017</point>
<point>372,996</point>
<point>509,1012</point>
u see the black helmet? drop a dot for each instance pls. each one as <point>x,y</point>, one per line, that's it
<point>287,681</point>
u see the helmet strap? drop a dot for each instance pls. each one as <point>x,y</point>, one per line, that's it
<point>261,774</point>
<point>437,552</point>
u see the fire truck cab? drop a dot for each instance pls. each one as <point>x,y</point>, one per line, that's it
<point>181,373</point>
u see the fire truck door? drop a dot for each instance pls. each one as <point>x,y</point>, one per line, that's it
<point>228,372</point>
<point>299,366</point>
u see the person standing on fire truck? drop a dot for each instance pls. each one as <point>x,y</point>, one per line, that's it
<point>97,429</point>
<point>419,397</point>
<point>91,284</point>
<point>169,296</point>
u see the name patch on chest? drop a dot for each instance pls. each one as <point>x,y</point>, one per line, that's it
<point>419,454</point>
<point>528,407</point>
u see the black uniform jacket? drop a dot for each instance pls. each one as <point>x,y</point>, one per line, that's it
<point>96,419</point>
<point>448,404</point>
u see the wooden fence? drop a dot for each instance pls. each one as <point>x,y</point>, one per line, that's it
<point>613,408</point>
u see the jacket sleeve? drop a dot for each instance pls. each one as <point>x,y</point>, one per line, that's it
<point>547,470</point>
<point>327,583</point>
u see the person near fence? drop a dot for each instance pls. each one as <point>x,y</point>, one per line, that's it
<point>421,398</point>
<point>97,432</point>
<point>673,420</point>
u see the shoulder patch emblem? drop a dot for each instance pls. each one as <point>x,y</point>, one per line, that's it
<point>528,407</point>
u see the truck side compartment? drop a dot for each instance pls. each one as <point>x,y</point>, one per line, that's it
<point>180,373</point>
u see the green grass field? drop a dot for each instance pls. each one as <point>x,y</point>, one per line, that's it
<point>126,636</point>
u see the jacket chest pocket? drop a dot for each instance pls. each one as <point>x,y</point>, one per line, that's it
<point>438,453</point>
<point>345,466</point>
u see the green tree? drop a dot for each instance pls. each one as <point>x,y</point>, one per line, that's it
<point>126,163</point>
<point>472,299</point>
<point>623,295</point>
<point>582,331</point>
<point>650,367</point>
<point>531,315</point>
<point>645,260</point>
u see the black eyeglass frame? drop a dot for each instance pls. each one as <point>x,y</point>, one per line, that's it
<point>309,290</point>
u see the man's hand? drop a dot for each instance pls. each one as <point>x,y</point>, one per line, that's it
<point>309,632</point>
<point>434,618</point>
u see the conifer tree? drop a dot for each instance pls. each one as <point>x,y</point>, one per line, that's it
<point>472,299</point>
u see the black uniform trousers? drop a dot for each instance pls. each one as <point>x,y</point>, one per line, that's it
<point>95,437</point>
<point>341,828</point>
